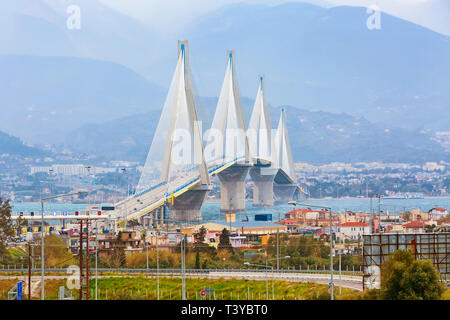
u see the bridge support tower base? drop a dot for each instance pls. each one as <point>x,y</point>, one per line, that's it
<point>284,192</point>
<point>232,188</point>
<point>188,206</point>
<point>262,177</point>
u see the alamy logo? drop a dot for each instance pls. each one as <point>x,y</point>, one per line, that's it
<point>73,281</point>
<point>374,20</point>
<point>74,20</point>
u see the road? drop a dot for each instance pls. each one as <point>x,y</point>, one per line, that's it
<point>346,281</point>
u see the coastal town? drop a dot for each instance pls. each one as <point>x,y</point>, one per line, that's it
<point>348,229</point>
<point>25,179</point>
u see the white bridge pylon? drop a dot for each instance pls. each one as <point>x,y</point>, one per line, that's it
<point>226,141</point>
<point>259,130</point>
<point>283,154</point>
<point>175,162</point>
<point>178,168</point>
<point>262,151</point>
<point>285,183</point>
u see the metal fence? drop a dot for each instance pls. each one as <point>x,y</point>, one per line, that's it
<point>377,248</point>
<point>190,271</point>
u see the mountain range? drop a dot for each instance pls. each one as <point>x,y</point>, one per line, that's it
<point>72,87</point>
<point>43,98</point>
<point>14,146</point>
<point>315,136</point>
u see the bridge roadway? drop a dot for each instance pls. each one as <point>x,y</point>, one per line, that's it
<point>351,280</point>
<point>154,197</point>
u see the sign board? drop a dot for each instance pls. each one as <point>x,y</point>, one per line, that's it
<point>19,290</point>
<point>230,217</point>
<point>203,293</point>
<point>263,217</point>
<point>208,290</point>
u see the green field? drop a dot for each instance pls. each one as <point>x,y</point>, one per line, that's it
<point>142,288</point>
<point>170,288</point>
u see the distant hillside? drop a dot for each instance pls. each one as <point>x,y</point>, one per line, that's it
<point>43,97</point>
<point>326,59</point>
<point>14,146</point>
<point>313,57</point>
<point>316,137</point>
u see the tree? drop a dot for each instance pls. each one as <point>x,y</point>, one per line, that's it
<point>197,260</point>
<point>56,254</point>
<point>6,227</point>
<point>224,240</point>
<point>118,258</point>
<point>404,278</point>
<point>430,228</point>
<point>406,216</point>
<point>200,235</point>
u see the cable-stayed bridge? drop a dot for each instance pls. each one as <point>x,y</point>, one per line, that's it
<point>177,172</point>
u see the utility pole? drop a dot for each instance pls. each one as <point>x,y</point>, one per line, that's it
<point>331,255</point>
<point>379,212</point>
<point>278,245</point>
<point>81,260</point>
<point>30,267</point>
<point>146,244</point>
<point>331,241</point>
<point>42,252</point>
<point>87,259</point>
<point>157,264</point>
<point>29,272</point>
<point>267,281</point>
<point>183,266</point>
<point>340,272</point>
<point>96,258</point>
<point>42,236</point>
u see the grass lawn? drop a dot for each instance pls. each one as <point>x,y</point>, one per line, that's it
<point>143,288</point>
<point>222,289</point>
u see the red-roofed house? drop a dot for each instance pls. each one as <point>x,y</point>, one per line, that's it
<point>414,227</point>
<point>352,230</point>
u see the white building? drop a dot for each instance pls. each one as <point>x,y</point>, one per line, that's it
<point>437,213</point>
<point>352,230</point>
<point>71,169</point>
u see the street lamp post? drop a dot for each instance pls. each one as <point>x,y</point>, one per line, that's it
<point>96,259</point>
<point>379,211</point>
<point>294,203</point>
<point>42,236</point>
<point>266,266</point>
<point>183,268</point>
<point>278,244</point>
<point>340,272</point>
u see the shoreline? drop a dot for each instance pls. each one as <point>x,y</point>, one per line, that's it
<point>249,200</point>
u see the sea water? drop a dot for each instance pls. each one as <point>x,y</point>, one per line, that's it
<point>211,210</point>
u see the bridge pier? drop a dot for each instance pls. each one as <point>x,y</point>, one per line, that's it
<point>156,217</point>
<point>232,188</point>
<point>188,206</point>
<point>284,192</point>
<point>263,176</point>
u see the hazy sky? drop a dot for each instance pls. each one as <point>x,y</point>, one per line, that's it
<point>174,14</point>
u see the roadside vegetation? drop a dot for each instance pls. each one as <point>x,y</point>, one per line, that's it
<point>143,288</point>
<point>404,278</point>
<point>304,253</point>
